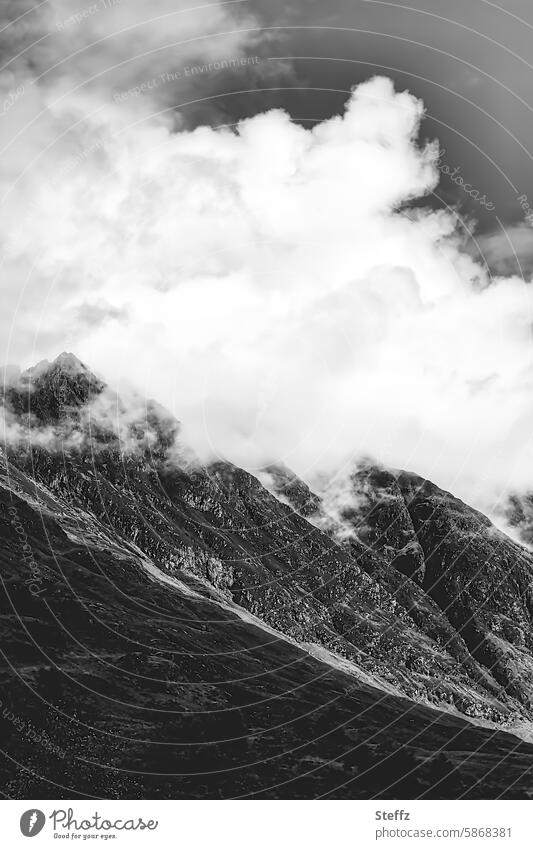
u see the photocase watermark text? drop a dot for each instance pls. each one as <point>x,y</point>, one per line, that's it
<point>66,819</point>
<point>34,582</point>
<point>11,99</point>
<point>467,188</point>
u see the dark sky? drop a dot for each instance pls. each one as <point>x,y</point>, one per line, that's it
<point>469,60</point>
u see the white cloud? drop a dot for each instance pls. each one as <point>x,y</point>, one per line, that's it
<point>263,285</point>
<point>508,250</point>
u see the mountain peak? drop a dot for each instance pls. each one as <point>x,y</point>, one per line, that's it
<point>70,362</point>
<point>66,362</point>
<point>51,391</point>
<point>65,396</point>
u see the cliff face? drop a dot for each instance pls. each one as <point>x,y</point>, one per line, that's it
<point>481,579</point>
<point>250,614</point>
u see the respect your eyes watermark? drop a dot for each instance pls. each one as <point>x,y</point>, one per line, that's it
<point>456,178</point>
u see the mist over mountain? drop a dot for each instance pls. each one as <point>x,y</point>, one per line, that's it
<point>177,629</point>
<point>287,291</point>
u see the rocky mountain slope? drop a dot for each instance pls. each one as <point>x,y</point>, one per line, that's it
<point>465,584</point>
<point>188,631</point>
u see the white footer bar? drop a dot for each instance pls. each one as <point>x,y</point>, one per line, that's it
<point>267,824</point>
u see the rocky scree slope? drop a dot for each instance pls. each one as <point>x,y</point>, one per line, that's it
<point>419,593</point>
<point>118,681</point>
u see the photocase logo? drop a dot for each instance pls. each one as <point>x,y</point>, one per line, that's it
<point>32,822</point>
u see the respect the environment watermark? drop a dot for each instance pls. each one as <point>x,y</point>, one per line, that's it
<point>188,71</point>
<point>88,12</point>
<point>526,208</point>
<point>86,153</point>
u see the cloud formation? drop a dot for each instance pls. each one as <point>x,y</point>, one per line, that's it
<point>273,287</point>
<point>508,250</point>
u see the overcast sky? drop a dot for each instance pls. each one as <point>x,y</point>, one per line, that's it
<point>334,278</point>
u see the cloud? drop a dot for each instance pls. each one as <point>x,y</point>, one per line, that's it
<point>72,72</point>
<point>508,250</point>
<point>272,286</point>
<point>64,68</point>
<point>96,313</point>
<point>112,43</point>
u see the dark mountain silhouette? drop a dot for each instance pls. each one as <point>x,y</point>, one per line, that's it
<point>177,630</point>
